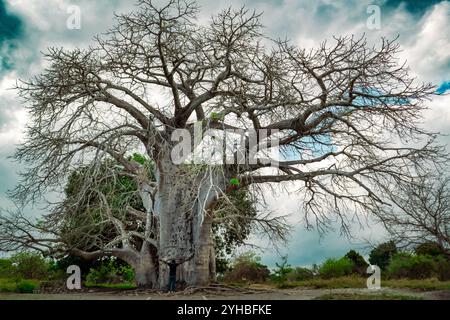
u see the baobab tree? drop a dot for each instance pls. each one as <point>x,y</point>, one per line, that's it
<point>345,118</point>
<point>103,208</point>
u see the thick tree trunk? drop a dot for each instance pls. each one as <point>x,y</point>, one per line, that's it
<point>201,275</point>
<point>212,262</point>
<point>145,274</point>
<point>185,227</point>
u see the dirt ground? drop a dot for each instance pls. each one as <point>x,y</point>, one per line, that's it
<point>273,294</point>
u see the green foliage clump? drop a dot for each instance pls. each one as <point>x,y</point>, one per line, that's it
<point>300,274</point>
<point>382,254</point>
<point>217,116</point>
<point>443,269</point>
<point>30,266</point>
<point>360,265</point>
<point>282,270</point>
<point>8,285</point>
<point>231,233</point>
<point>6,268</point>
<point>27,286</point>
<point>247,268</point>
<point>404,265</point>
<point>234,182</point>
<point>333,268</point>
<point>110,271</point>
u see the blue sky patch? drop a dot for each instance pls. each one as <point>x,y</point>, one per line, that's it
<point>444,87</point>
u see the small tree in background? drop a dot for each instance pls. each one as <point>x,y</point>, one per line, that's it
<point>429,248</point>
<point>300,274</point>
<point>334,268</point>
<point>360,264</point>
<point>405,265</point>
<point>283,269</point>
<point>247,268</point>
<point>30,266</point>
<point>382,254</point>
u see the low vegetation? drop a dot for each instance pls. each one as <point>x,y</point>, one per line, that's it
<point>357,296</point>
<point>426,269</point>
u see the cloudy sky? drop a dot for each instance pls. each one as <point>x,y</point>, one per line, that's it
<point>28,27</point>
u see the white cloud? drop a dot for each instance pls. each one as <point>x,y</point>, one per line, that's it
<point>428,53</point>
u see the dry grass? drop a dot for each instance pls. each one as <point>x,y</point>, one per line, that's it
<point>359,282</point>
<point>357,296</point>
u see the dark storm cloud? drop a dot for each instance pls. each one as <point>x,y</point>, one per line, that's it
<point>11,26</point>
<point>11,30</point>
<point>416,7</point>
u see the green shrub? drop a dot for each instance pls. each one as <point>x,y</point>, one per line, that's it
<point>381,255</point>
<point>127,273</point>
<point>360,265</point>
<point>247,268</point>
<point>30,266</point>
<point>6,268</point>
<point>27,286</point>
<point>443,269</point>
<point>333,268</point>
<point>333,283</point>
<point>282,270</point>
<point>410,266</point>
<point>8,285</point>
<point>300,274</point>
<point>110,271</point>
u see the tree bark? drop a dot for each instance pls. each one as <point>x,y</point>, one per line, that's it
<point>145,272</point>
<point>185,227</point>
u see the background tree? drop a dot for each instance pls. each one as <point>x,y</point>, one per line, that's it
<point>419,212</point>
<point>382,254</point>
<point>431,249</point>
<point>95,221</point>
<point>345,115</point>
<point>233,224</point>
<point>360,265</point>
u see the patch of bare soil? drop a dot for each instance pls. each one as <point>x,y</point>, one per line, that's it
<point>220,292</point>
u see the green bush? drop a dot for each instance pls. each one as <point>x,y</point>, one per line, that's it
<point>404,265</point>
<point>30,266</point>
<point>127,273</point>
<point>110,271</point>
<point>443,269</point>
<point>300,274</point>
<point>8,285</point>
<point>333,268</point>
<point>282,270</point>
<point>247,268</point>
<point>6,268</point>
<point>27,286</point>
<point>381,255</point>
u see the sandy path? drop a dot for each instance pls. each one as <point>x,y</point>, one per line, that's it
<point>288,294</point>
